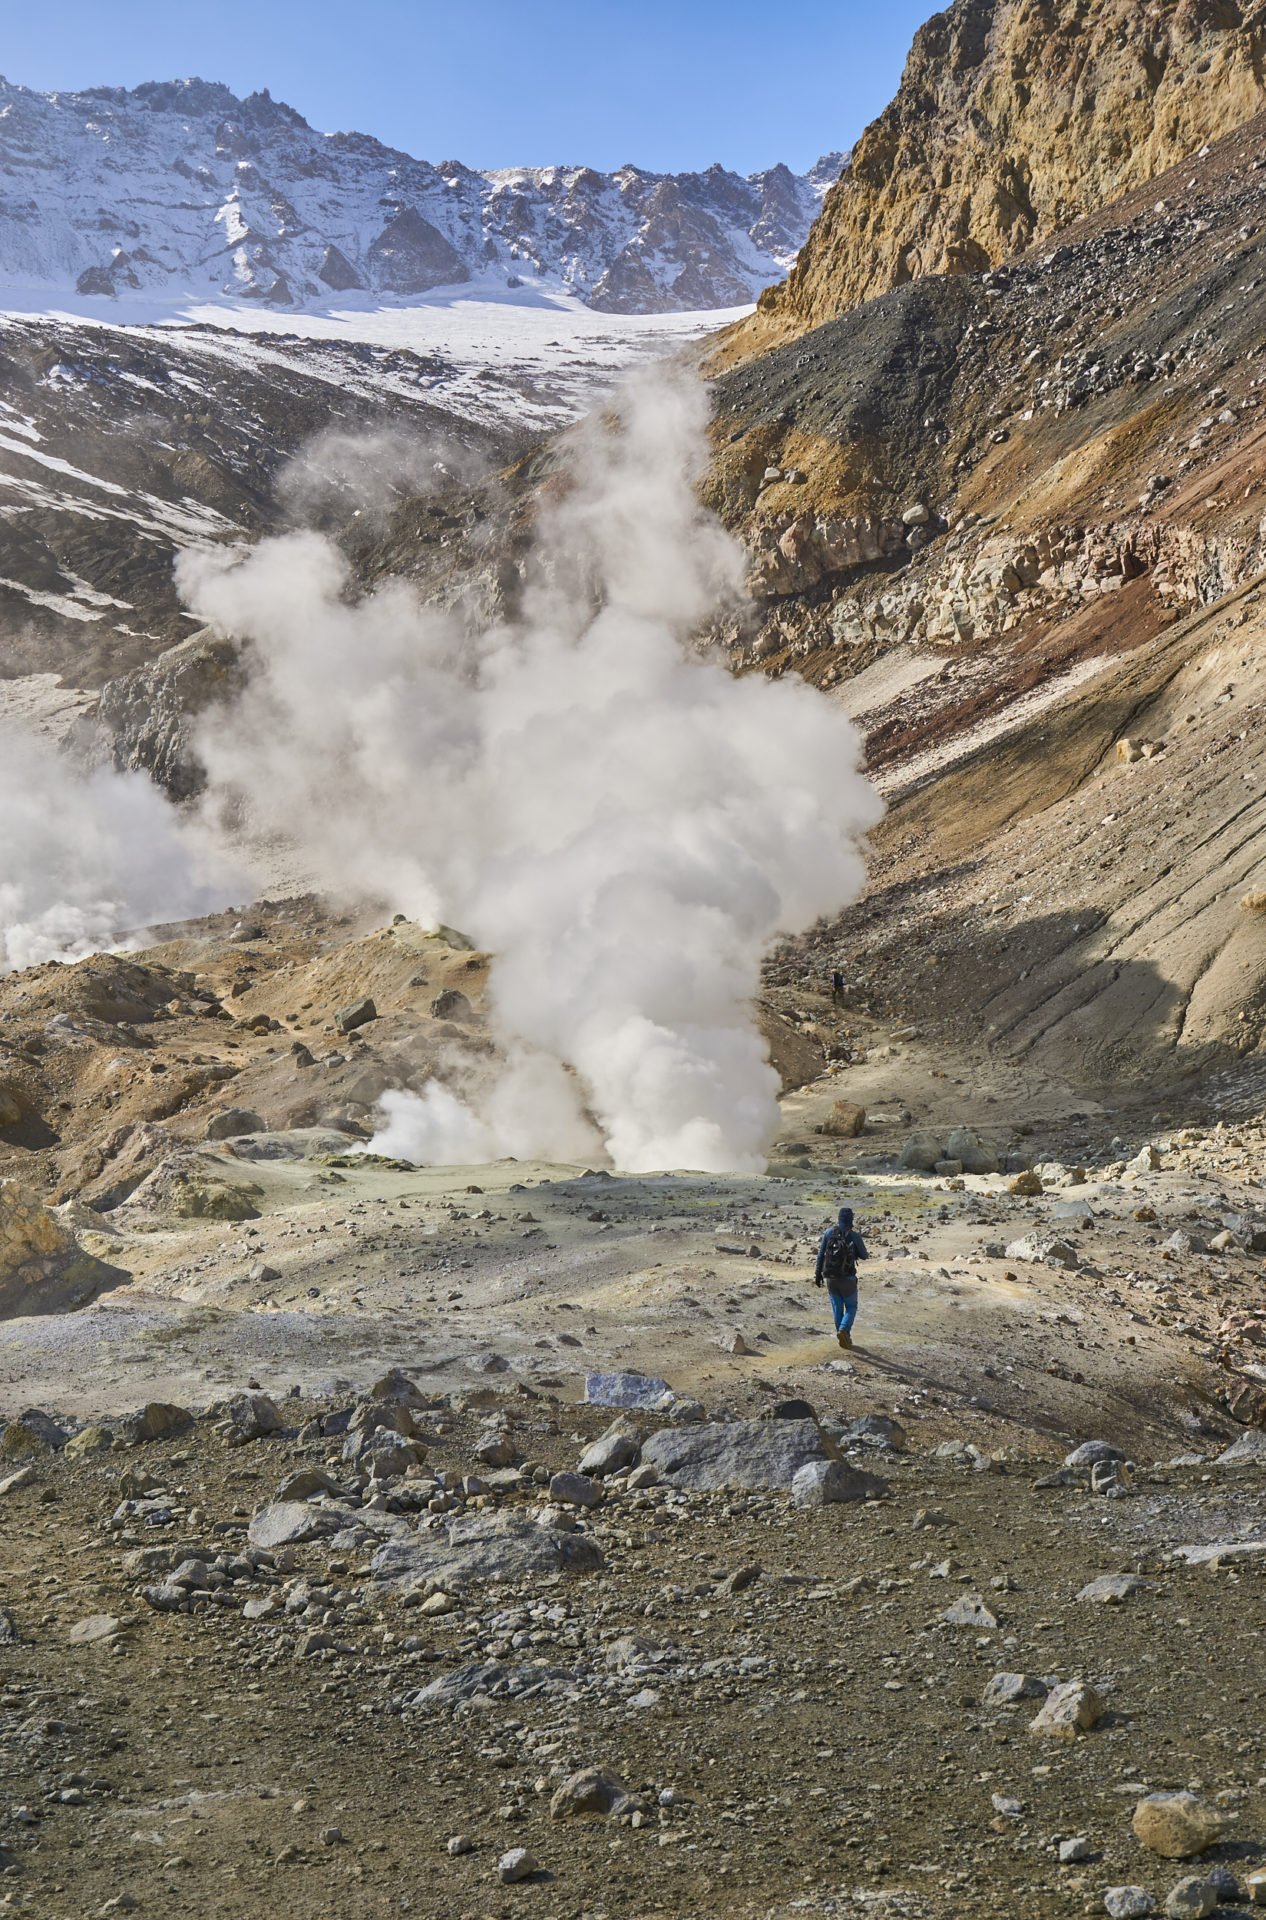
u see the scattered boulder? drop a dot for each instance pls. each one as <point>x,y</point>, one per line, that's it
<point>157,1420</point>
<point>233,1122</point>
<point>1248,1451</point>
<point>1192,1899</point>
<point>515,1866</point>
<point>1111,1589</point>
<point>970,1611</point>
<point>481,1547</point>
<point>828,1483</point>
<point>1070,1709</point>
<point>846,1121</point>
<point>591,1791</point>
<point>1177,1825</point>
<point>973,1154</point>
<point>31,1435</point>
<point>1026,1185</point>
<point>452,1005</point>
<point>1009,1689</point>
<point>921,1151</point>
<point>878,1431</point>
<point>358,1014</point>
<point>574,1490</point>
<point>1092,1453</point>
<point>252,1416</point>
<point>631,1390</point>
<point>1044,1248</point>
<point>289,1523</point>
<point>97,1629</point>
<point>618,1447</point>
<point>1128,1903</point>
<point>43,1269</point>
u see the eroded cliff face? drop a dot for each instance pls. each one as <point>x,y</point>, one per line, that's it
<point>1013,119</point>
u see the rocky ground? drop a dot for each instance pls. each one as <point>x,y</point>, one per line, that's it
<point>432,1639</point>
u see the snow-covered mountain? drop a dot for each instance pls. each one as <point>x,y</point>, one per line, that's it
<point>180,188</point>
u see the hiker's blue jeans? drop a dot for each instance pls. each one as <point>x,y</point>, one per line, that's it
<point>844,1307</point>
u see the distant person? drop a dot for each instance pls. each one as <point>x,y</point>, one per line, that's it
<point>839,1251</point>
<point>837,989</point>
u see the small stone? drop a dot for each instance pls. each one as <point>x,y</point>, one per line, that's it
<point>233,1123</point>
<point>1092,1453</point>
<point>591,1791</point>
<point>1073,1852</point>
<point>315,1641</point>
<point>516,1865</point>
<point>970,1611</point>
<point>1110,1589</point>
<point>1176,1825</point>
<point>437,1604</point>
<point>1128,1903</point>
<point>1070,1709</point>
<point>740,1580</point>
<point>618,1447</point>
<point>358,1014</point>
<point>828,1483</point>
<point>95,1628</point>
<point>1008,1689</point>
<point>1191,1899</point>
<point>1255,1888</point>
<point>331,1836</point>
<point>1026,1185</point>
<point>459,1844</point>
<point>574,1490</point>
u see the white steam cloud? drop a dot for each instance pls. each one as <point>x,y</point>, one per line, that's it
<point>623,824</point>
<point>88,857</point>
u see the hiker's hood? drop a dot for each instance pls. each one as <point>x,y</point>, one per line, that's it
<point>846,1218</point>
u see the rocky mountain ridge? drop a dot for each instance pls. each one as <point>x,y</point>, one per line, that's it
<point>1014,118</point>
<point>182,189</point>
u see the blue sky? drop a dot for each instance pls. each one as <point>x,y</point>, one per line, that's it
<point>666,83</point>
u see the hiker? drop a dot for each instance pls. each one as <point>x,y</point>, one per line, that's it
<point>840,1249</point>
<point>837,989</point>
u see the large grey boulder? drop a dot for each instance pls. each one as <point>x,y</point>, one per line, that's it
<point>739,1453</point>
<point>483,1547</point>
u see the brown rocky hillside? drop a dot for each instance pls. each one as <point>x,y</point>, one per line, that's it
<point>1014,118</point>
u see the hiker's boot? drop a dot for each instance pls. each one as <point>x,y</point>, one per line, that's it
<point>845,1339</point>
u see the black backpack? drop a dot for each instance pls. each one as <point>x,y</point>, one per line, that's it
<point>839,1262</point>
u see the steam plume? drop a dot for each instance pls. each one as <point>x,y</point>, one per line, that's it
<point>89,857</point>
<point>624,825</point>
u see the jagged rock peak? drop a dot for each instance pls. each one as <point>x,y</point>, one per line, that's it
<point>1013,118</point>
<point>180,188</point>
